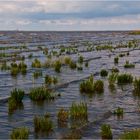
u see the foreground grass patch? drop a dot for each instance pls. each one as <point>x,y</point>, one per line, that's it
<point>103,72</point>
<point>78,111</point>
<point>91,86</point>
<point>136,84</point>
<point>128,65</point>
<point>15,101</point>
<point>131,135</point>
<point>40,94</point>
<point>106,132</point>
<point>124,79</point>
<point>20,133</point>
<point>43,124</point>
<point>62,117</point>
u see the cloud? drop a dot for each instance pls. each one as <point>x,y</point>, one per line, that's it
<point>56,14</point>
<point>122,20</point>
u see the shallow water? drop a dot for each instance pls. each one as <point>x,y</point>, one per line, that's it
<point>97,105</point>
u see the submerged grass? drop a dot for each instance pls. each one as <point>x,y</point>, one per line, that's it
<point>20,133</point>
<point>124,79</point>
<point>62,118</point>
<point>91,86</point>
<point>37,74</point>
<point>78,111</point>
<point>57,66</point>
<point>36,63</point>
<point>18,68</point>
<point>136,85</point>
<point>131,135</point>
<point>73,65</point>
<point>40,94</point>
<point>119,112</point>
<point>106,132</point>
<point>43,124</point>
<point>80,59</point>
<point>103,72</point>
<point>17,95</point>
<point>116,60</point>
<point>50,80</point>
<point>128,65</point>
<point>15,100</point>
<point>111,80</point>
<point>62,115</point>
<point>13,105</point>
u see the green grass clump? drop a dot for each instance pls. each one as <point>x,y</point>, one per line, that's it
<point>67,60</point>
<point>20,133</point>
<point>86,64</point>
<point>22,67</point>
<point>17,68</point>
<point>116,60</point>
<point>103,72</point>
<point>104,47</point>
<point>50,80</point>
<point>45,51</point>
<point>118,112</point>
<point>124,78</point>
<point>112,79</point>
<point>62,117</point>
<point>14,71</point>
<point>136,85</point>
<point>99,86</point>
<point>40,94</point>
<point>17,95</point>
<point>30,55</point>
<point>80,68</point>
<point>115,70</point>
<point>80,59</point>
<point>131,135</point>
<point>55,80</point>
<point>91,86</point>
<point>78,111</point>
<point>12,105</point>
<point>73,65</point>
<point>43,124</point>
<point>15,100</point>
<point>36,63</point>
<point>122,55</point>
<point>106,132</point>
<point>128,65</point>
<point>62,50</point>
<point>57,66</point>
<point>87,86</point>
<point>37,74</point>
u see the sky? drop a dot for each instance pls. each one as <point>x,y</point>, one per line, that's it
<point>69,15</point>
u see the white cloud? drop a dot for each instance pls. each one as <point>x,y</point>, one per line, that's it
<point>52,14</point>
<point>122,20</point>
<point>23,22</point>
<point>7,7</point>
<point>48,6</point>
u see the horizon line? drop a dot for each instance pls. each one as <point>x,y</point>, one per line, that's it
<point>69,30</point>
